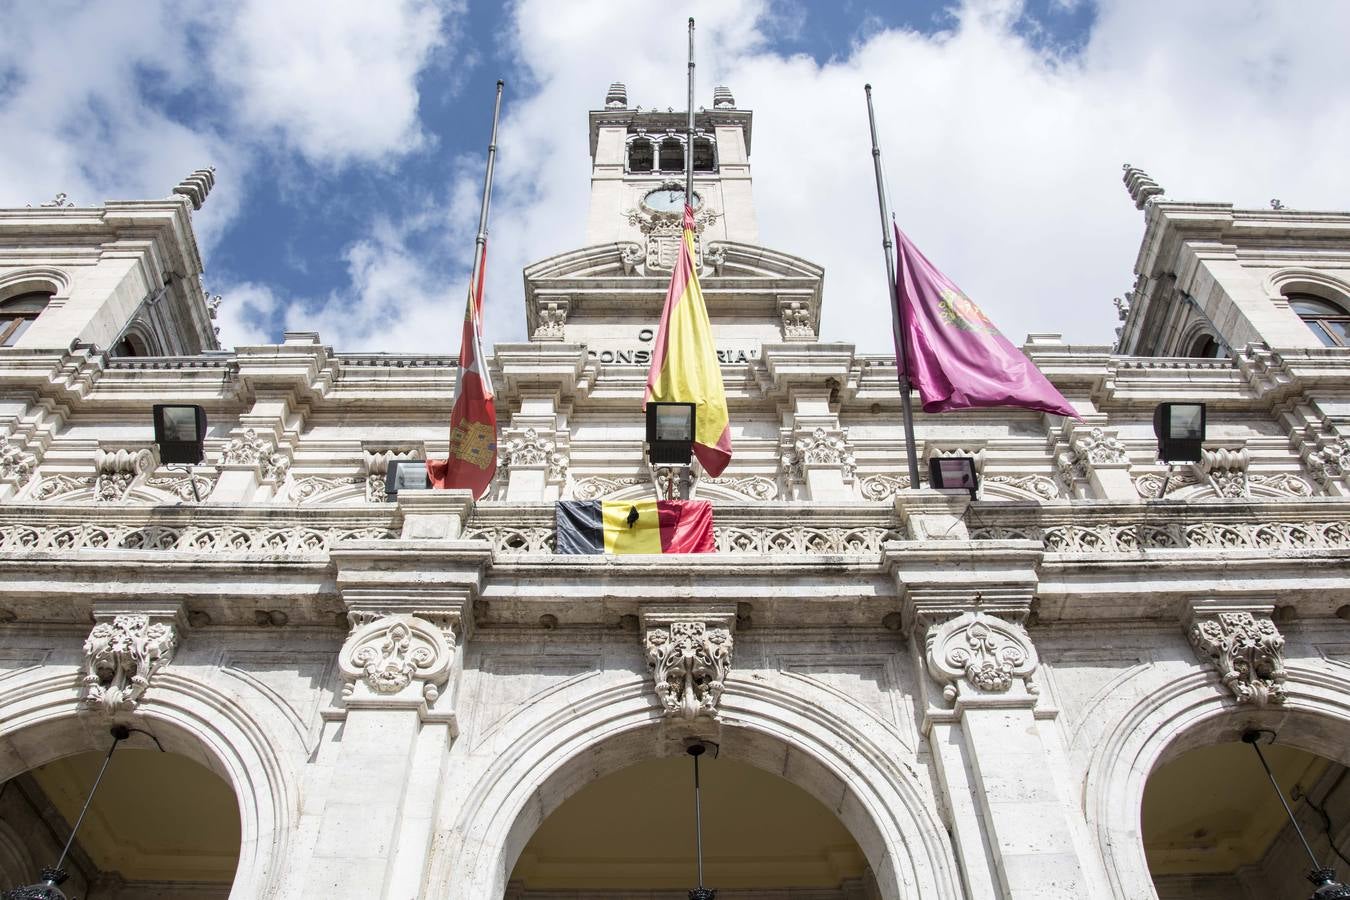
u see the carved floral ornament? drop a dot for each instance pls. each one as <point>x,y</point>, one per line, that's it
<point>985,652</point>
<point>120,658</point>
<point>1100,448</point>
<point>820,448</point>
<point>15,464</point>
<point>1247,650</point>
<point>1331,462</point>
<point>689,663</point>
<point>385,655</point>
<point>250,449</point>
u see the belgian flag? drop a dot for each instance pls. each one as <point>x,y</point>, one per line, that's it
<point>634,526</point>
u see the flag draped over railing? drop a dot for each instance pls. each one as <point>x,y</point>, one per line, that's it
<point>472,461</point>
<point>955,356</point>
<point>684,360</point>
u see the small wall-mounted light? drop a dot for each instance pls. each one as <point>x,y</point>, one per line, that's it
<point>670,433</point>
<point>180,432</point>
<point>405,475</point>
<point>953,473</point>
<point>1180,428</point>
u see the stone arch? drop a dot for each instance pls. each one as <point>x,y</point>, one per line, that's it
<point>1311,281</point>
<point>1190,712</point>
<point>44,279</point>
<point>545,761</point>
<point>44,721</point>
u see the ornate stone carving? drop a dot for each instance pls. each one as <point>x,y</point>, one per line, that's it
<point>1038,486</point>
<point>1071,469</point>
<point>756,487</point>
<point>1226,471</point>
<point>314,486</point>
<point>60,201</point>
<point>181,485</point>
<point>250,449</point>
<point>120,658</point>
<point>664,232</point>
<point>15,464</point>
<point>884,487</point>
<point>820,448</point>
<point>630,257</point>
<point>598,486</point>
<point>716,257</point>
<point>552,320</point>
<point>117,469</point>
<point>1330,462</point>
<point>1142,188</point>
<point>1099,448</point>
<point>1247,650</point>
<point>292,540</point>
<point>690,663</point>
<point>529,448</point>
<point>388,654</point>
<point>1113,538</point>
<point>985,652</point>
<point>796,321</point>
<point>1151,484</point>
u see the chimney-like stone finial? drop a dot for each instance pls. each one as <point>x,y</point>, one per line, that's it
<point>196,186</point>
<point>1141,187</point>
<point>722,98</point>
<point>617,98</point>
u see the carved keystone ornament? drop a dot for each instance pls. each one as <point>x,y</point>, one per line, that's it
<point>689,662</point>
<point>985,652</point>
<point>121,656</point>
<point>385,655</point>
<point>1248,651</point>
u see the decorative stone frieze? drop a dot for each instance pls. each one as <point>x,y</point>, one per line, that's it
<point>388,654</point>
<point>982,652</point>
<point>121,656</point>
<point>664,231</point>
<point>1245,647</point>
<point>181,485</point>
<point>315,487</point>
<point>689,654</point>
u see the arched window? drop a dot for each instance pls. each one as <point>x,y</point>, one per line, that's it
<point>705,159</point>
<point>640,156</point>
<point>131,345</point>
<point>18,313</point>
<point>1328,321</point>
<point>672,155</point>
<point>1204,347</point>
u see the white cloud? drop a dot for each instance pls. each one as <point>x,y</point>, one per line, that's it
<point>337,80</point>
<point>243,305</point>
<point>1004,159</point>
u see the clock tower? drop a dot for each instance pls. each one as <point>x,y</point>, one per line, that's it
<point>638,170</point>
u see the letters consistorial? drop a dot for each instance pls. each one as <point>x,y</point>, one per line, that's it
<point>983,651</point>
<point>121,656</point>
<point>388,654</point>
<point>689,662</point>
<point>1248,651</point>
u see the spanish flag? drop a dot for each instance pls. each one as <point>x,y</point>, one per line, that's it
<point>636,526</point>
<point>684,360</point>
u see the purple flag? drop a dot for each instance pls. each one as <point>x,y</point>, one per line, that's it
<point>956,357</point>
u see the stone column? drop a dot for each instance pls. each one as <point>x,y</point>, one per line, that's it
<point>1016,836</point>
<point>409,603</point>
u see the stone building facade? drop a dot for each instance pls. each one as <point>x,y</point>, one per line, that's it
<point>398,696</point>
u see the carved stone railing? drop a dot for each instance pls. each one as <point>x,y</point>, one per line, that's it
<point>251,531</point>
<point>758,528</point>
<point>1308,525</point>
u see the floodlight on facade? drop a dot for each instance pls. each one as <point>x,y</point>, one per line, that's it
<point>953,473</point>
<point>405,475</point>
<point>1180,429</point>
<point>180,432</point>
<point>670,433</point>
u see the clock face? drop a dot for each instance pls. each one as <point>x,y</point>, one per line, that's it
<point>668,200</point>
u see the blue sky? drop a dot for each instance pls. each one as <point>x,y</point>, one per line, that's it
<point>349,138</point>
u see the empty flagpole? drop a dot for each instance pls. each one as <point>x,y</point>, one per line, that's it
<point>901,364</point>
<point>689,135</point>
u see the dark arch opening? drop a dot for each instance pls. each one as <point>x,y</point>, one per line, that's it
<point>640,156</point>
<point>672,155</point>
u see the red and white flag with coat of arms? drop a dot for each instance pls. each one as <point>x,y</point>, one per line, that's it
<point>472,462</point>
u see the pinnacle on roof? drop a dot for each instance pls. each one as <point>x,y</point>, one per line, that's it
<point>197,185</point>
<point>1142,188</point>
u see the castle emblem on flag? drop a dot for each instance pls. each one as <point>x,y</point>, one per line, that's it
<point>475,443</point>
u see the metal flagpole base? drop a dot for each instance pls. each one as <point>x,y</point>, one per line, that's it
<point>703,894</point>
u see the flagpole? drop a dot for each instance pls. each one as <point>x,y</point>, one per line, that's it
<point>901,363</point>
<point>689,136</point>
<point>480,241</point>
